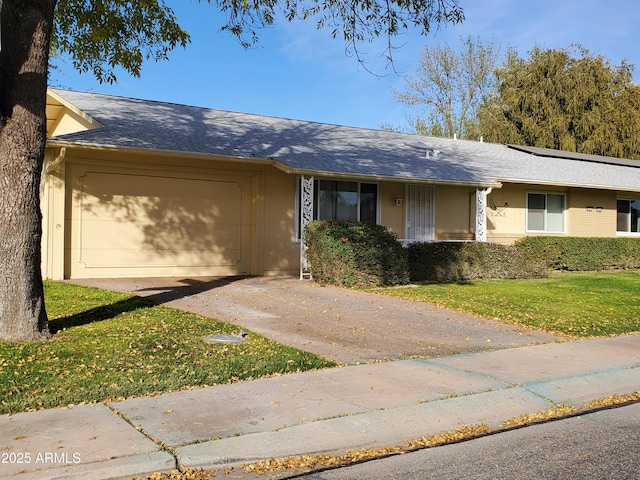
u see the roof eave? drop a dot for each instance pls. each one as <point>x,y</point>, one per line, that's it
<point>568,185</point>
<point>52,142</point>
<point>430,181</point>
<point>575,156</point>
<point>63,101</point>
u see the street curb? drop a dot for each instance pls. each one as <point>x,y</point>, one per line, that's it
<point>233,471</point>
<point>363,430</point>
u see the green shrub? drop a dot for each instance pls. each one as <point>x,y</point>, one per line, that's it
<point>355,254</point>
<point>461,261</point>
<point>582,253</point>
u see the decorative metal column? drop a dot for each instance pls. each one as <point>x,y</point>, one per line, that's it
<point>481,213</point>
<point>306,217</point>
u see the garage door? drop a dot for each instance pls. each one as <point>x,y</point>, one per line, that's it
<point>158,225</point>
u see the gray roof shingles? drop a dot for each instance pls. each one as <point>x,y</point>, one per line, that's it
<point>318,148</point>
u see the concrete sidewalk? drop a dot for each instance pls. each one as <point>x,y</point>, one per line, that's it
<point>374,405</point>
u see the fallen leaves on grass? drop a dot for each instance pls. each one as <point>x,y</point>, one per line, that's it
<point>556,304</point>
<point>110,346</point>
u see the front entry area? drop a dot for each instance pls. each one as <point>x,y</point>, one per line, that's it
<point>419,214</point>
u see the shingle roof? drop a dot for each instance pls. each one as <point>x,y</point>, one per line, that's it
<point>301,146</point>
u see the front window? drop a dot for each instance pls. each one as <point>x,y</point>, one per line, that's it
<point>545,212</point>
<point>336,200</point>
<point>343,201</point>
<point>628,216</point>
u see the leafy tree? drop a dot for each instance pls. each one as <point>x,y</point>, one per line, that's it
<point>450,83</point>
<point>566,99</point>
<point>100,36</point>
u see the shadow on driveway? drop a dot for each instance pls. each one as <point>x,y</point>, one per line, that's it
<point>343,325</point>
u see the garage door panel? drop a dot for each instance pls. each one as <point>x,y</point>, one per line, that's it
<point>108,259</point>
<point>161,237</point>
<point>107,184</point>
<point>133,224</point>
<point>178,210</point>
<point>139,198</point>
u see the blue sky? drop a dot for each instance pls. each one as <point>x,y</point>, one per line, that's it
<point>299,72</point>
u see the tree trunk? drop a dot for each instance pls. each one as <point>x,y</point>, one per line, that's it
<point>25,35</point>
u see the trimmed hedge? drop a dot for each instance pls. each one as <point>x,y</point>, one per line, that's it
<point>360,254</point>
<point>462,261</point>
<point>355,254</point>
<point>582,253</point>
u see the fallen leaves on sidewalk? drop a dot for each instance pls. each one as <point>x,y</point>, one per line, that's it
<point>465,432</point>
<point>305,463</point>
<point>562,410</point>
<point>616,399</point>
<point>556,411</point>
<point>187,474</point>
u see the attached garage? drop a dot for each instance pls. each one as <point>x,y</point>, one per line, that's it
<point>132,223</point>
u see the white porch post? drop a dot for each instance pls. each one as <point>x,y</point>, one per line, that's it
<point>306,217</point>
<point>481,213</point>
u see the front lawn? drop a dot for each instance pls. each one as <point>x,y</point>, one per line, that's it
<point>577,304</point>
<point>112,345</point>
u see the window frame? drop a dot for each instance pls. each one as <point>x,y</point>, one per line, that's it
<point>545,229</point>
<point>316,199</point>
<point>628,232</point>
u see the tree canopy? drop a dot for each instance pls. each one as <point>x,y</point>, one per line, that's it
<point>102,35</point>
<point>565,99</point>
<point>450,83</point>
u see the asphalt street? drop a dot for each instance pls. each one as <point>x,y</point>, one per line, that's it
<point>600,445</point>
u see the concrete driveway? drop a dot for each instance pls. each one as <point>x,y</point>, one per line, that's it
<point>339,324</point>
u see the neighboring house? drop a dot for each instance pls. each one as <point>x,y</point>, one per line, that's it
<point>140,188</point>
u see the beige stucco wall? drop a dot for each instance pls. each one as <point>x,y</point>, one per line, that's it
<point>72,219</point>
<point>69,122</point>
<point>53,212</point>
<point>506,222</point>
<point>277,244</point>
<point>280,251</point>
<point>454,212</point>
<point>392,216</point>
<point>63,119</point>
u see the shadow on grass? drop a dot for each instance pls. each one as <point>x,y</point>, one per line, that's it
<point>447,282</point>
<point>150,297</point>
<point>98,314</point>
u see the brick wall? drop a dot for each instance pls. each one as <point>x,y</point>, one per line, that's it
<point>591,213</point>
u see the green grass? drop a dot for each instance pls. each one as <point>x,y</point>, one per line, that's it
<point>576,304</point>
<point>110,346</point>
